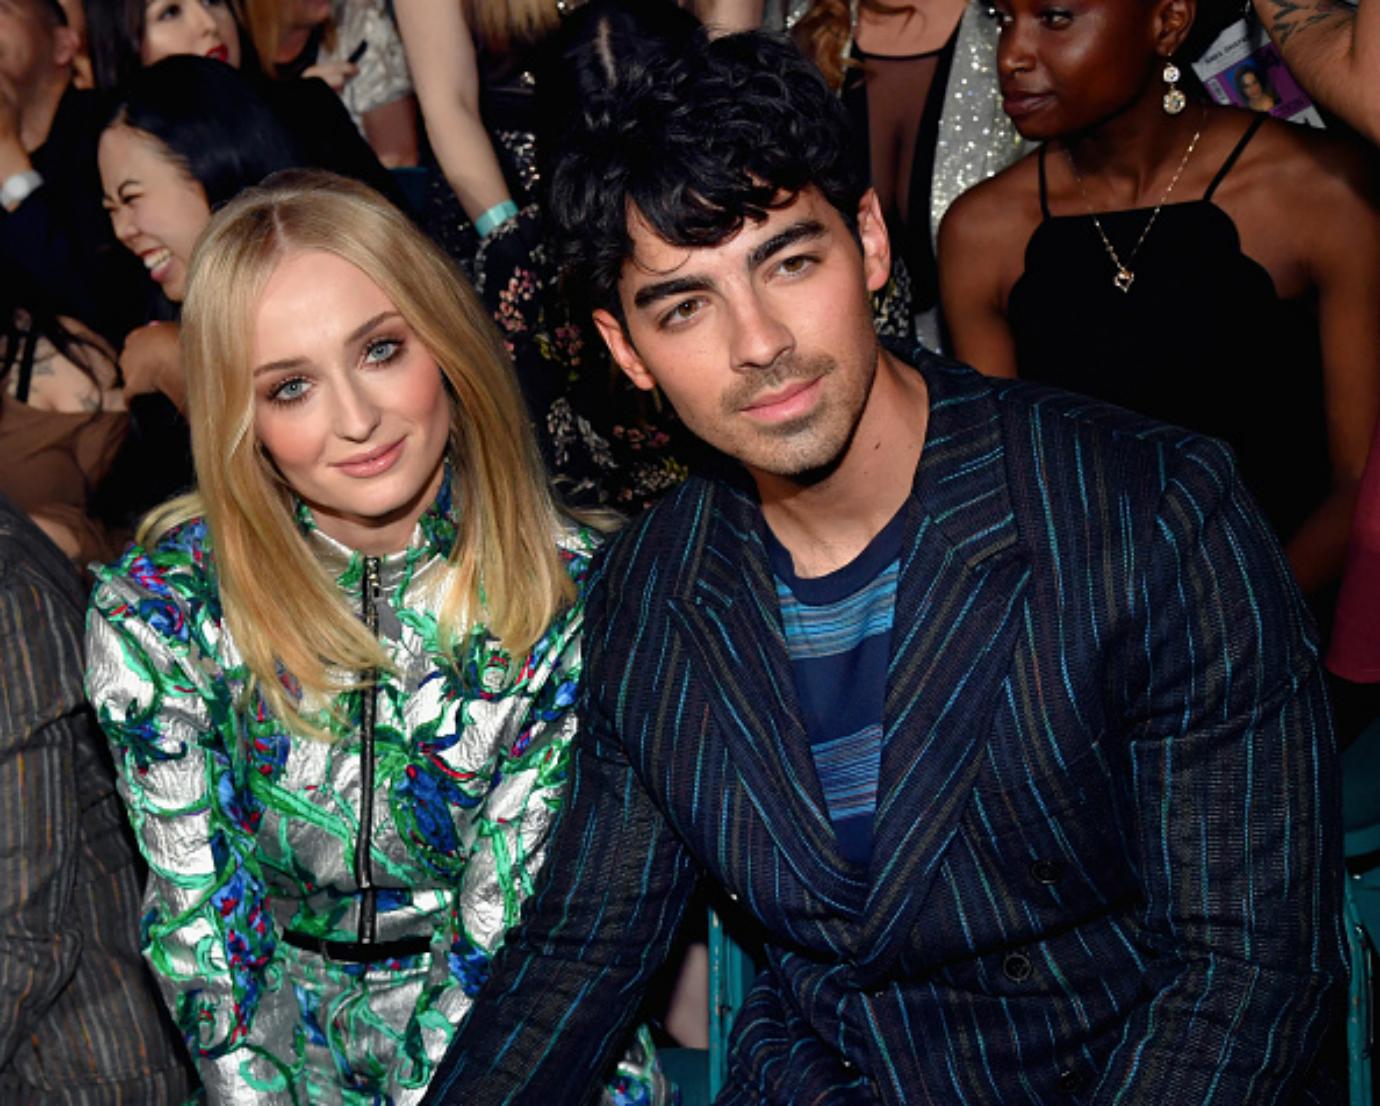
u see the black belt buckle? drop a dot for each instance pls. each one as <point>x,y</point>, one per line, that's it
<point>358,952</point>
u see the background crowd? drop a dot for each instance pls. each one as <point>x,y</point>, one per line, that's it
<point>1066,204</point>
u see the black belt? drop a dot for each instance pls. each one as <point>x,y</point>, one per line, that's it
<point>358,952</point>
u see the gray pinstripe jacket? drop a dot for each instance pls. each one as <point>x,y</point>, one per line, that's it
<point>80,1021</point>
<point>1106,865</point>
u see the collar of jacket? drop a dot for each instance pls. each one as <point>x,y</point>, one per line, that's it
<point>959,486</point>
<point>962,575</point>
<point>433,536</point>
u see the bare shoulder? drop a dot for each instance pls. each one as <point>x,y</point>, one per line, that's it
<point>998,214</point>
<point>1302,167</point>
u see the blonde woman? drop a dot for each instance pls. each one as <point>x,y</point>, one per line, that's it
<point>338,678</point>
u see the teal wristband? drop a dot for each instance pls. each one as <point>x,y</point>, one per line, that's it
<point>495,217</point>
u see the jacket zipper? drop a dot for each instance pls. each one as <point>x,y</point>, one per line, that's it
<point>364,868</point>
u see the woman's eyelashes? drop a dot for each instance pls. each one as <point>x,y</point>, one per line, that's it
<point>374,353</point>
<point>292,389</point>
<point>380,351</point>
<point>1051,17</point>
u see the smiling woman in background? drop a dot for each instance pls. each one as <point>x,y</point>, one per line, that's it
<point>342,770</point>
<point>129,35</point>
<point>187,135</point>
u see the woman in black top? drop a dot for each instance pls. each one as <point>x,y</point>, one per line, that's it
<point>1198,264</point>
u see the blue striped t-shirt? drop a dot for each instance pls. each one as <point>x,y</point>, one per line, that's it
<point>838,636</point>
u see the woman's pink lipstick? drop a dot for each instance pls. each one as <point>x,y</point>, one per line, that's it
<point>373,463</point>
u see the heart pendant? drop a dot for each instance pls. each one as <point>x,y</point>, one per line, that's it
<point>1123,279</point>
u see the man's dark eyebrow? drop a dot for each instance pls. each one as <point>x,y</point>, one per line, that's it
<point>678,286</point>
<point>796,232</point>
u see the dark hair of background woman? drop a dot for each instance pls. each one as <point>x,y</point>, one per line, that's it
<point>26,319</point>
<point>1260,79</point>
<point>212,120</point>
<point>115,36</point>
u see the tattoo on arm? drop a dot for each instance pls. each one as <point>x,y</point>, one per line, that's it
<point>1289,17</point>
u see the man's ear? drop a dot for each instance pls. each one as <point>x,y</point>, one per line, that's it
<point>874,240</point>
<point>622,349</point>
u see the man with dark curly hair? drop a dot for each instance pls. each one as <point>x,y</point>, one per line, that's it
<point>996,709</point>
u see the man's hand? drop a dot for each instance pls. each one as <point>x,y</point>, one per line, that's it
<point>151,362</point>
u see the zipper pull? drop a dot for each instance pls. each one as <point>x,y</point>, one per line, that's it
<point>379,615</point>
<point>372,594</point>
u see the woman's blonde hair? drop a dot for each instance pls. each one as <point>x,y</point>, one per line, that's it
<point>825,34</point>
<point>502,24</point>
<point>286,614</point>
<point>267,24</point>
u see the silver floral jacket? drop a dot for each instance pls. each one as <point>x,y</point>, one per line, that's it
<point>418,829</point>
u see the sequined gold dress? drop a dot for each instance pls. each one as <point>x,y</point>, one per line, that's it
<point>320,914</point>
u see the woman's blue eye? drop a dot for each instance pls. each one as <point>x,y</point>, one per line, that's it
<point>382,350</point>
<point>289,391</point>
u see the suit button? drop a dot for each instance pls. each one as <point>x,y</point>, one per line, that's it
<point>1046,871</point>
<point>733,896</point>
<point>1068,1081</point>
<point>1017,967</point>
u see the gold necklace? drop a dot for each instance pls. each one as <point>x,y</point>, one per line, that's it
<point>1124,276</point>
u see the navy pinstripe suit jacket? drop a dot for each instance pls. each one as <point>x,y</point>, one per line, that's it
<point>1106,864</point>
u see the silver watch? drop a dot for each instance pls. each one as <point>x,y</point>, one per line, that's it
<point>17,188</point>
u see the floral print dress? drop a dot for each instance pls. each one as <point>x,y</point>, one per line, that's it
<point>321,913</point>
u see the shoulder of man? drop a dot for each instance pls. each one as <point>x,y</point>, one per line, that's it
<point>656,551</point>
<point>27,554</point>
<point>1064,457</point>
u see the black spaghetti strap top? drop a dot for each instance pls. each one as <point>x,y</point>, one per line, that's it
<point>920,115</point>
<point>21,347</point>
<point>1201,340</point>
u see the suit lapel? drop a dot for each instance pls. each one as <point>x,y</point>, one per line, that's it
<point>958,600</point>
<point>727,611</point>
<point>963,574</point>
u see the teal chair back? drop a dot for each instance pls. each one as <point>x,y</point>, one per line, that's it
<point>1360,1023</point>
<point>1361,903</point>
<point>700,1074</point>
